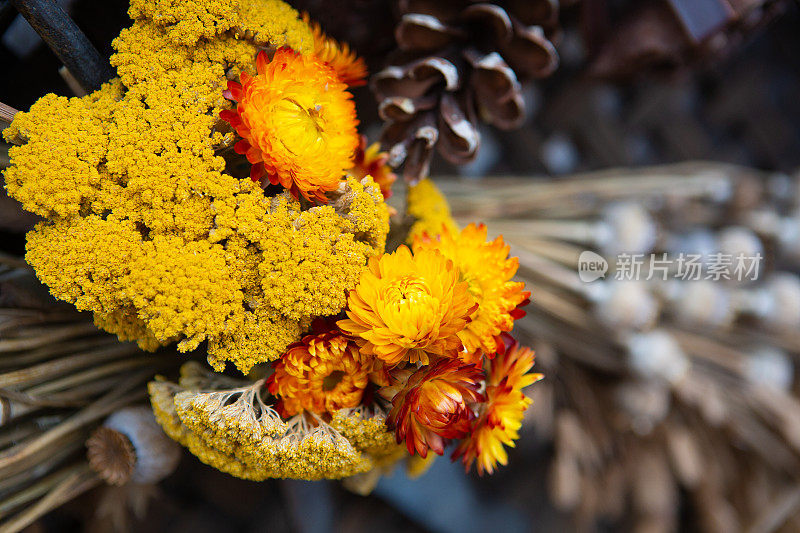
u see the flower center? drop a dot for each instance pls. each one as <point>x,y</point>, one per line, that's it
<point>302,127</point>
<point>407,290</point>
<point>331,380</point>
<point>473,286</point>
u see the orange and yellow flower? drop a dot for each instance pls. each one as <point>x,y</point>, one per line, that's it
<point>432,404</point>
<point>297,122</point>
<point>321,373</point>
<point>350,68</point>
<point>501,415</point>
<point>409,308</point>
<point>488,270</point>
<point>372,162</point>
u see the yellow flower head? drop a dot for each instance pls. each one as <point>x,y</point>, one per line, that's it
<point>407,307</point>
<point>501,415</point>
<point>429,209</point>
<point>322,373</point>
<point>350,68</point>
<point>297,121</point>
<point>488,270</point>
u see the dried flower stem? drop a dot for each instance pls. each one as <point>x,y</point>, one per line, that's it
<point>40,372</point>
<point>61,349</point>
<point>703,348</point>
<point>17,482</point>
<point>35,337</point>
<point>93,374</point>
<point>74,485</point>
<point>776,515</point>
<point>38,489</point>
<point>9,260</point>
<point>18,456</point>
<point>7,113</point>
<point>689,181</point>
<point>82,387</point>
<point>71,82</point>
<point>16,321</point>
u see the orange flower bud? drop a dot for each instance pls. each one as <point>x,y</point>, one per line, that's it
<point>433,404</point>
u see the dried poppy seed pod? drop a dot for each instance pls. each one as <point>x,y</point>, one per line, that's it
<point>646,402</point>
<point>738,240</point>
<point>770,367</point>
<point>656,354</point>
<point>778,302</point>
<point>630,229</point>
<point>705,303</point>
<point>130,446</point>
<point>625,305</point>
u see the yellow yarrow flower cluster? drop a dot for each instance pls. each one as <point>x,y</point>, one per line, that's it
<point>144,226</point>
<point>429,209</point>
<point>234,431</point>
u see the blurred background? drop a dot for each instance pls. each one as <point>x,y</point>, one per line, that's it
<point>611,443</point>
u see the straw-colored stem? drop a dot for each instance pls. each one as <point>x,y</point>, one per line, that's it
<point>527,197</point>
<point>45,466</point>
<point>75,484</point>
<point>37,319</point>
<point>565,253</point>
<point>7,113</point>
<point>14,262</point>
<point>18,360</point>
<point>12,435</point>
<point>33,338</point>
<point>578,345</point>
<point>61,366</point>
<point>75,441</point>
<point>533,265</point>
<point>567,230</point>
<point>778,512</point>
<point>38,489</point>
<point>82,387</point>
<point>556,305</point>
<point>702,348</point>
<point>12,459</point>
<point>89,376</point>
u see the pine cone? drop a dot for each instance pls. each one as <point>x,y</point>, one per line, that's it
<point>666,35</point>
<point>459,60</point>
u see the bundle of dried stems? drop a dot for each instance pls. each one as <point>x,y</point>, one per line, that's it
<point>60,377</point>
<point>663,399</point>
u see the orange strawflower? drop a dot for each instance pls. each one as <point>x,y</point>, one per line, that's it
<point>372,162</point>
<point>431,405</point>
<point>488,270</point>
<point>297,122</point>
<point>501,415</point>
<point>321,373</point>
<point>350,68</point>
<point>407,308</point>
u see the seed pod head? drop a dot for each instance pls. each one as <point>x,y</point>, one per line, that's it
<point>130,446</point>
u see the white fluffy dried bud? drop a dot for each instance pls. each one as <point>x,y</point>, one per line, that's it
<point>656,354</point>
<point>157,455</point>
